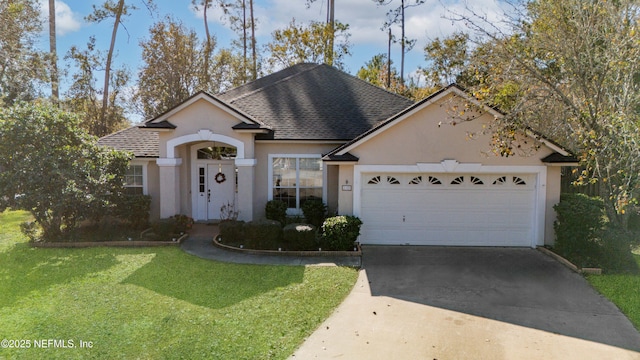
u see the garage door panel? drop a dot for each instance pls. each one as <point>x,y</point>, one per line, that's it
<point>449,214</point>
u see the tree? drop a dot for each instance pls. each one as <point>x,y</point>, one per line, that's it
<point>397,16</point>
<point>22,66</point>
<point>297,44</point>
<point>209,41</point>
<point>53,53</point>
<point>376,71</point>
<point>236,11</point>
<point>110,9</point>
<point>53,168</point>
<point>171,72</point>
<point>447,59</point>
<point>572,63</point>
<point>83,97</point>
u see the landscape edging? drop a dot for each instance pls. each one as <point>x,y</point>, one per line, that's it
<point>307,253</point>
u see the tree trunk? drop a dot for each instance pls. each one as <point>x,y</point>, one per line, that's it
<point>55,94</point>
<point>254,55</point>
<point>402,41</point>
<point>207,50</point>
<point>244,41</point>
<point>107,72</point>
<point>332,29</point>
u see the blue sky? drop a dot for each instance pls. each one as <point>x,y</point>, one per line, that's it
<point>364,17</point>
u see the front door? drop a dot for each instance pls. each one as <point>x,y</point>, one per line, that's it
<point>216,188</point>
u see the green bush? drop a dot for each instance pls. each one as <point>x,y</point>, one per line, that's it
<point>315,211</point>
<point>262,234</point>
<point>580,219</point>
<point>163,230</point>
<point>276,210</point>
<point>232,231</point>
<point>133,209</point>
<point>584,236</point>
<point>615,253</point>
<point>340,232</point>
<point>183,223</point>
<point>300,237</point>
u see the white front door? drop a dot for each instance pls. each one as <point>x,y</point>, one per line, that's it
<point>215,188</point>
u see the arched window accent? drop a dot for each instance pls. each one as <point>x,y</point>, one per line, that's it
<point>518,181</point>
<point>457,181</point>
<point>374,180</point>
<point>216,153</point>
<point>500,181</point>
<point>476,181</point>
<point>434,180</point>
<point>392,180</point>
<point>416,180</point>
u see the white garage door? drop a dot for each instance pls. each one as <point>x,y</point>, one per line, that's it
<point>445,209</point>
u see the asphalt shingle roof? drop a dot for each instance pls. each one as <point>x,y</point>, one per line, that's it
<point>302,102</point>
<point>142,143</point>
<point>315,102</point>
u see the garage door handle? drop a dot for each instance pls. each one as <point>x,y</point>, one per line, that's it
<point>403,218</point>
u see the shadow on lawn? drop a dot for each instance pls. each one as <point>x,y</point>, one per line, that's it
<point>208,283</point>
<point>25,269</point>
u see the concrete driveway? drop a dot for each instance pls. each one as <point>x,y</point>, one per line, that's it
<point>471,303</point>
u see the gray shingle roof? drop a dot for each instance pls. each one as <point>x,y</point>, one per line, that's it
<point>315,102</point>
<point>142,143</point>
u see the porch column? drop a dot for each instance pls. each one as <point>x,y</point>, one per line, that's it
<point>246,184</point>
<point>169,186</point>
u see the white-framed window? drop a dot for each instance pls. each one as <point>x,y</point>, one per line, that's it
<point>296,178</point>
<point>135,178</point>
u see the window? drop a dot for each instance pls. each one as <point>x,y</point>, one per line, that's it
<point>216,153</point>
<point>134,180</point>
<point>296,179</point>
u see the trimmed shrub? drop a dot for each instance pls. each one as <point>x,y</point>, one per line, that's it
<point>340,232</point>
<point>232,231</point>
<point>276,210</point>
<point>615,253</point>
<point>133,209</point>
<point>584,237</point>
<point>183,223</point>
<point>579,220</point>
<point>315,211</point>
<point>300,237</point>
<point>263,234</point>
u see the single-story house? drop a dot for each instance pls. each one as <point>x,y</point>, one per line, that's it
<point>313,132</point>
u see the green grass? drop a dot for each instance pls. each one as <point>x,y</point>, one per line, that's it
<point>623,290</point>
<point>156,303</point>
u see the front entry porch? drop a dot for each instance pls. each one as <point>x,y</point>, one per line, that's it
<point>214,173</point>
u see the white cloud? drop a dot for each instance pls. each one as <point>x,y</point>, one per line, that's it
<point>66,20</point>
<point>214,14</point>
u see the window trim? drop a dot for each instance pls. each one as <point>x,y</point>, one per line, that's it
<point>295,211</point>
<point>145,177</point>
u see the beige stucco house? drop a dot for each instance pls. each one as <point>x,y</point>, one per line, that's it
<point>312,131</point>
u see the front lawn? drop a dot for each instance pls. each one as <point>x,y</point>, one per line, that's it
<point>623,290</point>
<point>151,303</point>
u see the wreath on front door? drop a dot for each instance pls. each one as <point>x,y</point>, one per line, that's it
<point>220,178</point>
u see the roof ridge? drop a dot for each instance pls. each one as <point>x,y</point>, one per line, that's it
<point>274,83</point>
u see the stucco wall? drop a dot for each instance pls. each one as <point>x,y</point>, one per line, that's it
<point>429,137</point>
<point>203,115</point>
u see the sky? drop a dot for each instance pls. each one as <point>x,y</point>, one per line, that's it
<point>365,18</point>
